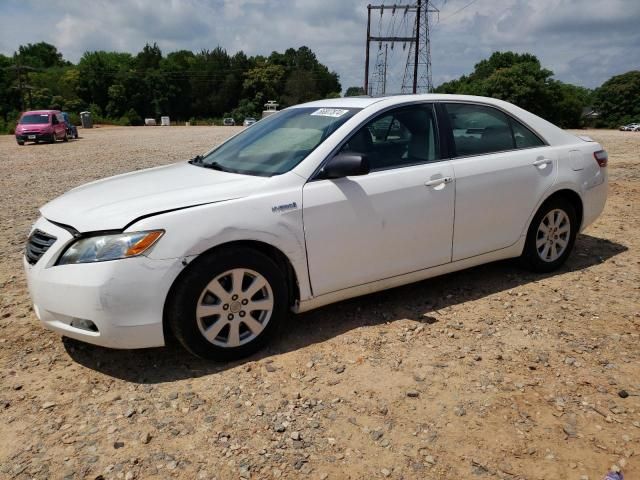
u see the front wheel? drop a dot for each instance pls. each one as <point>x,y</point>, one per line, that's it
<point>228,304</point>
<point>551,236</point>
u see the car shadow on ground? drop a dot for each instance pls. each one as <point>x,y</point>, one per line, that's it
<point>414,302</point>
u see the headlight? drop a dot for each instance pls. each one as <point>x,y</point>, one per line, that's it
<point>109,247</point>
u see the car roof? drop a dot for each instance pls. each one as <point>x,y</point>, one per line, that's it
<point>40,112</point>
<point>366,101</point>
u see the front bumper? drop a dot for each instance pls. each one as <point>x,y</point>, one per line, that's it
<point>33,137</point>
<point>124,299</point>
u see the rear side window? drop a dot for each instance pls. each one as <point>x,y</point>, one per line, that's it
<point>479,129</point>
<point>524,137</point>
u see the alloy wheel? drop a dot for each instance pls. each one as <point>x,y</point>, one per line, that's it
<point>234,308</point>
<point>553,235</point>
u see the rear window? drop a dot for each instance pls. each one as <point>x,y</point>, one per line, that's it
<point>34,118</point>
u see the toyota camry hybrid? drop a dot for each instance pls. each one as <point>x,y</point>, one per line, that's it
<point>315,204</point>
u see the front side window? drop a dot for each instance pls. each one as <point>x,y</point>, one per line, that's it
<point>401,137</point>
<point>278,143</point>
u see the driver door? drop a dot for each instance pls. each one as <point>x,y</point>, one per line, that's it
<point>395,220</point>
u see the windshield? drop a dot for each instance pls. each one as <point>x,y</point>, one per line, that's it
<point>277,143</point>
<point>34,118</point>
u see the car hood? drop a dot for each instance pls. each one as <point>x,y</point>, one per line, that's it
<point>115,202</point>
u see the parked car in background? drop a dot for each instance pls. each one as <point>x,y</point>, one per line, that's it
<point>312,205</point>
<point>632,127</point>
<point>249,121</point>
<point>41,125</point>
<point>72,130</point>
<point>228,122</point>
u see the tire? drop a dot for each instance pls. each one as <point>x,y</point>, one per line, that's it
<point>546,251</point>
<point>53,138</point>
<point>206,299</point>
<point>21,143</point>
<point>65,138</point>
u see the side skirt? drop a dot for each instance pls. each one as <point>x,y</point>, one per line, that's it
<point>397,281</point>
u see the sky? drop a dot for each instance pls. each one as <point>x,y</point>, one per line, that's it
<point>584,42</point>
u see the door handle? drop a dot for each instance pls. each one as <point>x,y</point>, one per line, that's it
<point>542,163</point>
<point>438,181</point>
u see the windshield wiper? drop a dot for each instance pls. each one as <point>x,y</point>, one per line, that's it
<point>214,166</point>
<point>198,160</point>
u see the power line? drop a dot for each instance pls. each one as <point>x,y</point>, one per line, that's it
<point>458,11</point>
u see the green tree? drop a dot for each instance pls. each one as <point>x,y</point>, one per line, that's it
<point>521,80</point>
<point>618,99</point>
<point>300,87</point>
<point>41,55</point>
<point>264,82</point>
<point>97,72</point>
<point>354,92</point>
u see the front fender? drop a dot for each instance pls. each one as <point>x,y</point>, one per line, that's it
<point>193,231</point>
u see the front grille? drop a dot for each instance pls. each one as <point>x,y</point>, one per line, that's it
<point>38,243</point>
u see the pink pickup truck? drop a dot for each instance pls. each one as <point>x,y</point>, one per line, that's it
<point>41,125</point>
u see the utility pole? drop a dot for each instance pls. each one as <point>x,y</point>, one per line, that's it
<point>366,62</point>
<point>415,59</point>
<point>20,69</point>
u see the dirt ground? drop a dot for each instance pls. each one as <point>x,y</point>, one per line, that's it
<point>487,373</point>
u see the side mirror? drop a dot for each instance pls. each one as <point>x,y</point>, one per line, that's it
<point>346,165</point>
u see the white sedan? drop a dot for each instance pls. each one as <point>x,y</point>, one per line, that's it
<point>315,204</point>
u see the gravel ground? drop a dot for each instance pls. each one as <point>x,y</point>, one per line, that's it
<point>487,373</point>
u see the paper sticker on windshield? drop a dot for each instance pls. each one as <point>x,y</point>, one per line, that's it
<point>330,112</point>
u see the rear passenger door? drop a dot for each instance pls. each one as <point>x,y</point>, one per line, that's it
<point>502,169</point>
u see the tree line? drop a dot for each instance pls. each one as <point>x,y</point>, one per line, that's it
<point>521,79</point>
<point>123,88</point>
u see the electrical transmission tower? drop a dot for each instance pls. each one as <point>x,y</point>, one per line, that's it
<point>379,80</point>
<point>411,29</point>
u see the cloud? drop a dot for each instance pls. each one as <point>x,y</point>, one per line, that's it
<point>582,41</point>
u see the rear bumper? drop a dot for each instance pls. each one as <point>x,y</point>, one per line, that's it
<point>124,299</point>
<point>594,198</point>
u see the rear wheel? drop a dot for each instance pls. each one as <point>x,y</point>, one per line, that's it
<point>551,236</point>
<point>228,304</point>
<point>66,137</point>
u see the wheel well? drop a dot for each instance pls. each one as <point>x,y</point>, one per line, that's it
<point>270,251</point>
<point>571,197</point>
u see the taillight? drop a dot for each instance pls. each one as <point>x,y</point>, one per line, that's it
<point>601,157</point>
